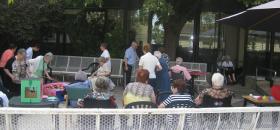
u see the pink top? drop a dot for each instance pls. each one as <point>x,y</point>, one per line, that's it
<point>8,54</point>
<point>178,69</point>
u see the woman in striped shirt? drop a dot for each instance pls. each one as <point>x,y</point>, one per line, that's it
<point>179,94</point>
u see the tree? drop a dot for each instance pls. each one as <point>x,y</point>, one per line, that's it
<point>173,14</point>
<point>23,21</point>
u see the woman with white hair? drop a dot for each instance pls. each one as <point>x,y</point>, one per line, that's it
<point>163,79</point>
<point>104,70</point>
<point>217,91</point>
<point>39,65</point>
<point>101,92</point>
<point>178,68</point>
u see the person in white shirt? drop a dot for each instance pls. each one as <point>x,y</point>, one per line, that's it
<point>5,100</point>
<point>229,69</point>
<point>150,63</point>
<point>105,53</point>
<point>29,51</point>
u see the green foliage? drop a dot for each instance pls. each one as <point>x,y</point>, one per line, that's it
<point>116,41</point>
<point>249,3</point>
<point>161,8</point>
<point>23,21</point>
<point>158,34</point>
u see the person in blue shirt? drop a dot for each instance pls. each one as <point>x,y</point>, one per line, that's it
<point>163,79</point>
<point>130,59</point>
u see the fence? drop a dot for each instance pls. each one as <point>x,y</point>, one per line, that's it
<point>250,118</point>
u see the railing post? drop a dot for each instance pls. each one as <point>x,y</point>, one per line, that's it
<point>218,123</point>
<point>181,122</point>
<point>256,120</point>
<point>98,122</point>
<point>140,122</point>
<point>8,122</point>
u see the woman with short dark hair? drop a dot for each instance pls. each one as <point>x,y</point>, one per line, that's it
<point>179,90</point>
<point>139,90</point>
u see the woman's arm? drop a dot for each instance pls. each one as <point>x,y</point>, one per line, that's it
<point>198,100</point>
<point>161,105</point>
<point>159,67</point>
<point>153,98</point>
<point>9,74</point>
<point>47,75</point>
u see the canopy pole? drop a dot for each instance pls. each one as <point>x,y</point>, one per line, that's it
<point>245,53</point>
<point>271,49</point>
<point>196,32</point>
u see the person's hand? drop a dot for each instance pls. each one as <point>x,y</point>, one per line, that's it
<point>50,78</point>
<point>198,101</point>
<point>13,77</point>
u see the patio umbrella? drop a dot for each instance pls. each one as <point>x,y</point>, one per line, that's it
<point>265,17</point>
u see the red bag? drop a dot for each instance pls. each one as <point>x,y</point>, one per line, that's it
<point>275,91</point>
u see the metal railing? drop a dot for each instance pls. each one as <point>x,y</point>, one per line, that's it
<point>238,118</point>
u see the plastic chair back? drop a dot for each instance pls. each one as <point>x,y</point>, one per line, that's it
<point>209,101</point>
<point>94,103</point>
<point>181,104</point>
<point>142,104</point>
<point>76,93</point>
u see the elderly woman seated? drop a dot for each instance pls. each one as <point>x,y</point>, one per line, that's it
<point>100,95</point>
<point>104,70</point>
<point>217,95</point>
<point>229,69</point>
<point>178,68</point>
<point>139,90</point>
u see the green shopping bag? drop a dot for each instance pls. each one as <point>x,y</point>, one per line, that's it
<point>31,91</point>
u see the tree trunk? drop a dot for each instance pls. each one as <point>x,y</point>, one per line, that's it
<point>172,31</point>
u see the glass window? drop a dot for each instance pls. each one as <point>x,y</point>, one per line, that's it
<point>208,31</point>
<point>186,36</point>
<point>256,41</point>
<point>139,24</point>
<point>277,43</point>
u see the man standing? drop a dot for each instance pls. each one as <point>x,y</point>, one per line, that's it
<point>130,59</point>
<point>34,48</point>
<point>16,70</point>
<point>105,53</point>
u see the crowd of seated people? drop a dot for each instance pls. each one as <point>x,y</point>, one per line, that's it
<point>153,84</point>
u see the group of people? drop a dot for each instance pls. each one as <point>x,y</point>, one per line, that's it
<point>18,64</point>
<point>153,79</point>
<point>141,90</point>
